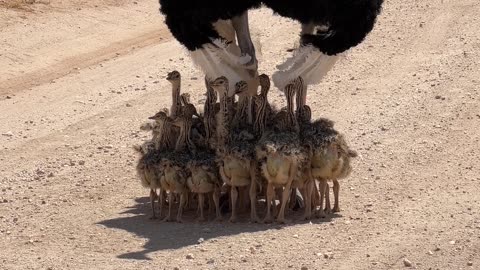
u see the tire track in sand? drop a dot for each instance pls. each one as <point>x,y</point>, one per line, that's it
<point>75,63</point>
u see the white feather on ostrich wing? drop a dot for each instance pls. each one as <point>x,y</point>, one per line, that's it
<point>307,62</point>
<point>223,58</point>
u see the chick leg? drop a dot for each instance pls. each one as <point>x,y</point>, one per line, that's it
<point>216,200</point>
<point>293,199</point>
<point>270,197</point>
<point>336,193</point>
<point>153,196</point>
<point>315,196</point>
<point>278,194</point>
<point>328,207</point>
<point>201,200</point>
<point>183,198</point>
<point>322,188</point>
<point>253,195</point>
<point>234,197</point>
<point>285,195</point>
<point>170,204</point>
<point>286,192</point>
<point>211,203</point>
<point>161,200</point>
<point>308,190</point>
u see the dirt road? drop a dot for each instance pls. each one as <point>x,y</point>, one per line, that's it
<point>76,82</point>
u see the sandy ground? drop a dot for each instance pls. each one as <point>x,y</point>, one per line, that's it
<point>78,79</point>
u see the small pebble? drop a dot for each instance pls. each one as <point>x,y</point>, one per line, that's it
<point>407,263</point>
<point>200,240</point>
<point>470,263</point>
<point>304,268</point>
<point>190,256</point>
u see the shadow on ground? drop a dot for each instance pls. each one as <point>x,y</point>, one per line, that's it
<point>172,235</point>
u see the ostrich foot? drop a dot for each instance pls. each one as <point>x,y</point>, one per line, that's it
<point>167,219</point>
<point>336,209</point>
<point>179,218</point>
<point>232,219</point>
<point>306,217</point>
<point>268,219</point>
<point>282,220</point>
<point>321,213</point>
<point>328,208</point>
<point>255,220</point>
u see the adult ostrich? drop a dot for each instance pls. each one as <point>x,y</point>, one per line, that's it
<point>329,28</point>
<point>209,29</point>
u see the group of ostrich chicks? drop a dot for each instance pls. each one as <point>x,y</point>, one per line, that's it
<point>244,148</point>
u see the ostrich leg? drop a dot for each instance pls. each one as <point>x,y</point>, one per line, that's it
<point>240,23</point>
<point>153,196</point>
<point>336,191</point>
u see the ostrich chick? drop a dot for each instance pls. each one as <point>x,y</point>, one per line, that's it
<point>204,180</point>
<point>150,177</point>
<point>147,169</point>
<point>174,181</point>
<point>330,155</point>
<point>237,169</point>
<point>280,155</point>
<point>173,164</point>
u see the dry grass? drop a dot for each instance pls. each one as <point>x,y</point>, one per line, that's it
<point>26,5</point>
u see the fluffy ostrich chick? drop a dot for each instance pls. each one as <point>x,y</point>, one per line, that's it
<point>204,181</point>
<point>281,155</point>
<point>330,156</point>
<point>236,169</point>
